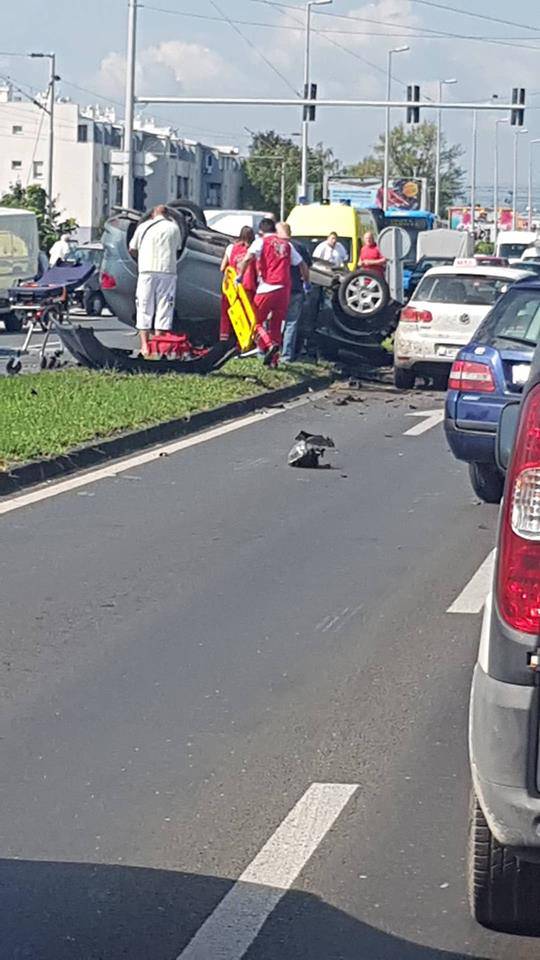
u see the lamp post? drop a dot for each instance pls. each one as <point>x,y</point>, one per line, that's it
<point>442,83</point>
<point>517,132</point>
<point>402,49</point>
<point>473,169</point>
<point>127,183</point>
<point>496,176</point>
<point>51,57</point>
<point>305,121</point>
<point>530,190</point>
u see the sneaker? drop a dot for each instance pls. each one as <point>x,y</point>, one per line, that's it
<point>270,358</point>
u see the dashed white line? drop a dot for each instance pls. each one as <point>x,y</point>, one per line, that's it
<point>230,930</point>
<point>120,466</point>
<point>431,418</point>
<point>473,596</point>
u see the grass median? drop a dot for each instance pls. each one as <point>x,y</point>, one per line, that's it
<point>50,413</point>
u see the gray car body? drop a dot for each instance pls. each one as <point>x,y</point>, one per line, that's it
<point>503,725</point>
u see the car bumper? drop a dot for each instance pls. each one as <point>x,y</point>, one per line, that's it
<point>412,349</point>
<point>472,446</point>
<point>502,744</point>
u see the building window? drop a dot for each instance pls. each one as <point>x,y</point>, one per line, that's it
<point>16,164</point>
<point>82,133</point>
<point>38,169</point>
<point>16,130</point>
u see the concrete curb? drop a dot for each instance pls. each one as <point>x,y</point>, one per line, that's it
<point>92,454</point>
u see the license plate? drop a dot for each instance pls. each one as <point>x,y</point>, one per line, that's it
<point>449,352</point>
<point>520,373</point>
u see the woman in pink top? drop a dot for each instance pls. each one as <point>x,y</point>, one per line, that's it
<point>371,257</point>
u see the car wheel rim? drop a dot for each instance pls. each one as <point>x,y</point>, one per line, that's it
<point>364,295</point>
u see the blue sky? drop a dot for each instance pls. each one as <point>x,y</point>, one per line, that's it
<point>184,52</point>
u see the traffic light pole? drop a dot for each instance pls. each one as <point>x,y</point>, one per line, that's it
<point>307,102</point>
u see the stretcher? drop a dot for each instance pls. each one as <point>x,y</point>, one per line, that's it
<point>46,303</point>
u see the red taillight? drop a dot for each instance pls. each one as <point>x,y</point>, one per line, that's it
<point>467,375</point>
<point>107,281</point>
<point>518,571</point>
<point>410,315</point>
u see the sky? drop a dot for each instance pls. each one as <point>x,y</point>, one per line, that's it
<point>188,47</point>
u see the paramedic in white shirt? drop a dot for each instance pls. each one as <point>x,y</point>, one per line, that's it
<point>60,250</point>
<point>332,251</point>
<point>156,243</point>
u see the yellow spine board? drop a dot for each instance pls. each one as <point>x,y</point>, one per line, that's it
<point>241,312</point>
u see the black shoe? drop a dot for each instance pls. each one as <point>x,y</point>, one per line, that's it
<point>270,354</point>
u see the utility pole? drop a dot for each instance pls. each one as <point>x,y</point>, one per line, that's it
<point>437,204</point>
<point>129,111</point>
<point>496,176</point>
<point>51,57</point>
<point>530,190</point>
<point>386,173</point>
<point>517,132</point>
<point>473,170</point>
<point>305,120</point>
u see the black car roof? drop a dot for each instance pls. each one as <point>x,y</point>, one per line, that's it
<point>532,281</point>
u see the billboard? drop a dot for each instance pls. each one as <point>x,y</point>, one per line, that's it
<point>403,193</point>
<point>460,218</point>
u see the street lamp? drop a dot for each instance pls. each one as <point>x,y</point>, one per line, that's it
<point>496,176</point>
<point>129,113</point>
<point>402,49</point>
<point>51,57</point>
<point>442,83</point>
<point>305,121</point>
<point>517,132</point>
<point>530,191</point>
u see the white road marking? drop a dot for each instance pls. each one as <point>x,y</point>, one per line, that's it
<point>230,930</point>
<point>120,466</point>
<point>473,597</point>
<point>431,418</point>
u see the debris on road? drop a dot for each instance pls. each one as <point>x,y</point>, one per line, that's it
<point>308,449</point>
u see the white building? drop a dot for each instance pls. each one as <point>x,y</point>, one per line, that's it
<point>88,161</point>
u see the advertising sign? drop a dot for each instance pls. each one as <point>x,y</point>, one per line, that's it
<point>460,218</point>
<point>361,192</point>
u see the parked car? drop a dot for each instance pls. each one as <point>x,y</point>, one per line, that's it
<point>90,295</point>
<point>19,258</point>
<point>513,243</point>
<point>504,842</point>
<point>485,375</point>
<point>442,315</point>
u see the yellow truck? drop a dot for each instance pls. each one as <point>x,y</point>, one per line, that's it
<point>312,222</point>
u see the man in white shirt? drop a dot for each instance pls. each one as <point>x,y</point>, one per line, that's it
<point>332,251</point>
<point>156,243</point>
<point>60,250</point>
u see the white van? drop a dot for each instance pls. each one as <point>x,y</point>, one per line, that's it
<point>19,253</point>
<point>513,243</point>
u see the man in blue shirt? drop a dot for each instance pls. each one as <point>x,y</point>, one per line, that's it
<point>299,289</point>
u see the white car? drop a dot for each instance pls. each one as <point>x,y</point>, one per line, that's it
<point>444,312</point>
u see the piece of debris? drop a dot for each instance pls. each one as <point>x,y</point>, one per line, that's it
<point>341,402</point>
<point>308,449</point>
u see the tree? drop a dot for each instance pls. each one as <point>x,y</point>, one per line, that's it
<point>413,154</point>
<point>263,167</point>
<point>34,198</point>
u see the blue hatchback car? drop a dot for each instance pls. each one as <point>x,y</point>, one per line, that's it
<point>486,373</point>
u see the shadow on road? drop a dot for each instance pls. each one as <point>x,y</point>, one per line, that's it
<point>77,911</point>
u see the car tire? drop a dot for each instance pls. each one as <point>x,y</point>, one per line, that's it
<point>487,482</point>
<point>93,303</point>
<point>191,211</point>
<point>404,379</point>
<point>363,294</point>
<point>13,322</point>
<point>503,890</point>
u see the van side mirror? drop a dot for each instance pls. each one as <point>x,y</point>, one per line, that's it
<point>506,433</point>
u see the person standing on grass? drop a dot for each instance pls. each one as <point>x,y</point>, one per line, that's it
<point>274,256</point>
<point>299,288</point>
<point>156,243</point>
<point>233,256</point>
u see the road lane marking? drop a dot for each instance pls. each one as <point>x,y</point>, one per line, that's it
<point>473,596</point>
<point>230,930</point>
<point>431,418</point>
<point>121,466</point>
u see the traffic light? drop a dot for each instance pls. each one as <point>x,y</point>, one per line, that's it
<point>517,115</point>
<point>413,97</point>
<point>311,94</point>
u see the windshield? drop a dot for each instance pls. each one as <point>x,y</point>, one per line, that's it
<point>312,242</point>
<point>412,226</point>
<point>513,250</point>
<point>461,288</point>
<point>86,255</point>
<point>516,315</point>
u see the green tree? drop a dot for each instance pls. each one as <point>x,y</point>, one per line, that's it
<point>413,154</point>
<point>34,198</point>
<point>263,166</point>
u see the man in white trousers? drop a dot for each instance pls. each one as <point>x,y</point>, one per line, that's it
<point>156,243</point>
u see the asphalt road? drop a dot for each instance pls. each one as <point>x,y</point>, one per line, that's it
<point>234,706</point>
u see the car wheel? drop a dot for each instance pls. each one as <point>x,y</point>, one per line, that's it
<point>93,303</point>
<point>486,481</point>
<point>363,294</point>
<point>503,890</point>
<point>13,322</point>
<point>404,379</point>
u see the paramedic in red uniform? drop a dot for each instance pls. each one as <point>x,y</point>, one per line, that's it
<point>233,256</point>
<point>275,256</point>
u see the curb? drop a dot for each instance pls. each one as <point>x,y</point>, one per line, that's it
<point>92,454</point>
